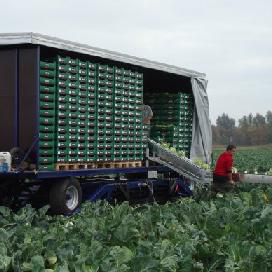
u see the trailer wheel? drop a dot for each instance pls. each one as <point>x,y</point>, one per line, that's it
<point>65,196</point>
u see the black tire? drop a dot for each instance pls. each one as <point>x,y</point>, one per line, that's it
<point>65,196</point>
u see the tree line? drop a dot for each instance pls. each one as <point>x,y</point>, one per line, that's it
<point>250,130</point>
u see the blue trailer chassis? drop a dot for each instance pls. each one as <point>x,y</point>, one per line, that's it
<point>100,184</point>
<point>80,172</point>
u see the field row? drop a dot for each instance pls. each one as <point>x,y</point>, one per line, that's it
<point>226,233</point>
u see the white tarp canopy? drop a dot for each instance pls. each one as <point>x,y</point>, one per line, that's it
<point>39,39</point>
<point>201,133</point>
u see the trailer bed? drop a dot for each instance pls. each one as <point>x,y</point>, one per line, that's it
<point>81,172</point>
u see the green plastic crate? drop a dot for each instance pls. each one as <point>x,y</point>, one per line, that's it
<point>47,152</point>
<point>91,96</point>
<point>47,120</point>
<point>60,152</point>
<point>46,136</point>
<point>83,79</point>
<point>47,113</point>
<point>46,144</point>
<point>82,102</point>
<point>104,69</point>
<point>62,76</point>
<point>62,123</point>
<point>62,68</point>
<point>73,70</point>
<point>46,167</point>
<point>73,62</point>
<point>47,81</point>
<point>72,85</point>
<point>73,77</point>
<point>47,74</point>
<point>47,97</point>
<point>72,107</point>
<point>82,138</point>
<point>91,66</point>
<point>47,65</point>
<point>91,158</point>
<point>46,129</point>
<point>82,64</point>
<point>47,90</point>
<point>62,91</point>
<point>47,160</point>
<point>84,95</point>
<point>62,159</point>
<point>82,72</point>
<point>72,100</point>
<point>62,60</point>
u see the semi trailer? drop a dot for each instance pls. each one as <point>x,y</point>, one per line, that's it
<point>71,125</point>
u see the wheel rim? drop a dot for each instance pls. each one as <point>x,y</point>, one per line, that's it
<point>71,197</point>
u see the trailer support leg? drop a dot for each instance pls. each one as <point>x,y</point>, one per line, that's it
<point>125,192</point>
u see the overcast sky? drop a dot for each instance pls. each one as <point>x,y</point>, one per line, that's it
<point>230,41</point>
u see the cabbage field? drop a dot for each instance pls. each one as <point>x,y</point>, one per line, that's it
<point>229,232</point>
<point>209,233</point>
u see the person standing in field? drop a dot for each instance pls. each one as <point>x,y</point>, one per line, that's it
<point>222,174</point>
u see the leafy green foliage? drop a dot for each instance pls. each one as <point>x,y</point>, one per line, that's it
<point>181,154</point>
<point>201,164</point>
<point>173,149</point>
<point>269,173</point>
<point>229,232</point>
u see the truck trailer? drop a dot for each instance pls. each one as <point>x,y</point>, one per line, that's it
<point>71,125</point>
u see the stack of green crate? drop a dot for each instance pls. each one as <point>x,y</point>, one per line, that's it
<point>128,99</point>
<point>167,133</point>
<point>118,114</point>
<point>173,117</point>
<point>62,97</point>
<point>105,103</point>
<point>82,112</point>
<point>91,112</point>
<point>73,109</point>
<point>137,96</point>
<point>47,115</point>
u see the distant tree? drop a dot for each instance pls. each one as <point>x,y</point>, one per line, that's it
<point>216,135</point>
<point>243,135</point>
<point>243,122</point>
<point>250,119</point>
<point>226,126</point>
<point>259,135</point>
<point>258,120</point>
<point>225,122</point>
<point>251,130</point>
<point>269,118</point>
<point>239,136</point>
<point>269,124</point>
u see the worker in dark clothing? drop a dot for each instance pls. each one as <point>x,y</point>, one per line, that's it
<point>147,115</point>
<point>222,175</point>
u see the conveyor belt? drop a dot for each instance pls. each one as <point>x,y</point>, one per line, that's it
<point>182,166</point>
<point>256,179</point>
